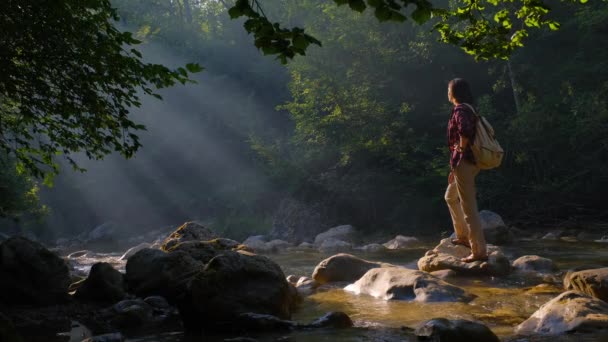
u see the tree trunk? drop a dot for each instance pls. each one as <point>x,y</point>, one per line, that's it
<point>514,87</point>
<point>187,11</point>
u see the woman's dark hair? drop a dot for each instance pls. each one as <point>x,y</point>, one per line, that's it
<point>461,91</point>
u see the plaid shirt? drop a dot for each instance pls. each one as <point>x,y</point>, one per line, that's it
<point>462,122</point>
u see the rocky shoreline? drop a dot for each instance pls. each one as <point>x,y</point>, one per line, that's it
<point>194,281</point>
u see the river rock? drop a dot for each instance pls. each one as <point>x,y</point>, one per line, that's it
<point>332,245</point>
<point>31,274</point>
<point>104,284</point>
<point>397,283</point>
<point>567,313</point>
<point>189,231</point>
<point>232,284</point>
<point>534,263</point>
<point>499,236</point>
<point>490,219</point>
<point>296,221</point>
<point>257,242</point>
<point>400,242</point>
<point>204,251</point>
<point>446,255</point>
<point>342,267</point>
<point>457,330</point>
<point>593,282</point>
<point>341,233</point>
<point>152,272</point>
<point>372,248</point>
<point>334,319</point>
<point>134,250</point>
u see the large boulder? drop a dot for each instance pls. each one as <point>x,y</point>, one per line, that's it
<point>31,274</point>
<point>490,219</point>
<point>567,313</point>
<point>448,256</point>
<point>534,263</point>
<point>494,229</point>
<point>593,282</point>
<point>342,267</point>
<point>189,231</point>
<point>104,284</point>
<point>457,330</point>
<point>397,283</point>
<point>499,236</point>
<point>232,284</point>
<point>342,233</point>
<point>296,221</point>
<point>154,272</point>
<point>400,242</point>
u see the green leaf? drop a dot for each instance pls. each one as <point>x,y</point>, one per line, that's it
<point>300,42</point>
<point>194,67</point>
<point>235,12</point>
<point>421,15</point>
<point>383,13</point>
<point>357,5</point>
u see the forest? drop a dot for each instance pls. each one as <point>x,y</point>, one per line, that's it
<point>251,122</point>
<point>353,131</point>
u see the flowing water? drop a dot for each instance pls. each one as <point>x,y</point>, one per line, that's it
<point>502,303</point>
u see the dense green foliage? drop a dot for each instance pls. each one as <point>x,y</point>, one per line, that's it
<point>69,77</point>
<point>359,125</point>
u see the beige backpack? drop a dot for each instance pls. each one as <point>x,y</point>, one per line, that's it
<point>486,149</point>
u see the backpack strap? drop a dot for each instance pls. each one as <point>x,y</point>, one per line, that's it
<point>471,108</point>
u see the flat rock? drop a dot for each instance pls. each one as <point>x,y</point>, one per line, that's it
<point>397,283</point>
<point>567,313</point>
<point>593,282</point>
<point>447,256</point>
<point>534,263</point>
<point>400,242</point>
<point>457,330</point>
<point>342,267</point>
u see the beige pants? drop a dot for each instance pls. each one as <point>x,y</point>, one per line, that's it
<point>462,202</point>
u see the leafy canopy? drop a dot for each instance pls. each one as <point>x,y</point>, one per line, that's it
<point>68,77</point>
<point>486,29</point>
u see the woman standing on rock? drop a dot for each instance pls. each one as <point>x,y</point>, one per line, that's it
<point>461,194</point>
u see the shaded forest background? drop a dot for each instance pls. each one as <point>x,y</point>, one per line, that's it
<point>354,132</point>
